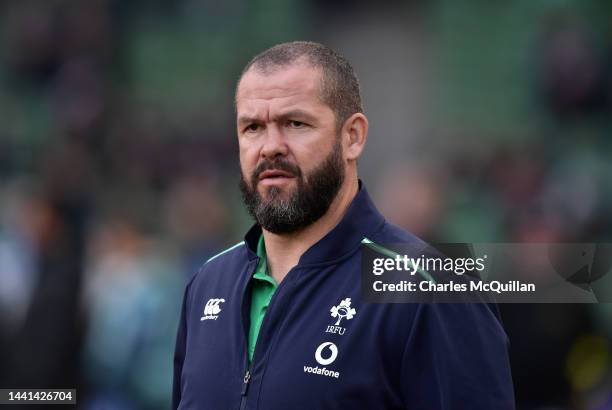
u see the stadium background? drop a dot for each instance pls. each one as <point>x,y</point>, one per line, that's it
<point>490,121</point>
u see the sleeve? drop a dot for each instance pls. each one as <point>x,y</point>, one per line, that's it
<point>456,358</point>
<point>179,352</point>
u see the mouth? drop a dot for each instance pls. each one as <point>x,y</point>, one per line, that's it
<point>274,177</point>
<point>274,174</point>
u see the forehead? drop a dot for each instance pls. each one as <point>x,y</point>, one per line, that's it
<point>285,87</point>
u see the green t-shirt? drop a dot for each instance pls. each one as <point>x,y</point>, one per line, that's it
<point>263,288</point>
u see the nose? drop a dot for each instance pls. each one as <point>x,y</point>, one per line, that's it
<point>274,144</point>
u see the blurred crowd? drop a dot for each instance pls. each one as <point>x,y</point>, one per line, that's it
<point>118,177</point>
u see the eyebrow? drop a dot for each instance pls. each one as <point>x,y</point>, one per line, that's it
<point>247,120</point>
<point>297,113</point>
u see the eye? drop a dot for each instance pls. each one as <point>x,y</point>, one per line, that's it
<point>296,124</point>
<point>252,127</point>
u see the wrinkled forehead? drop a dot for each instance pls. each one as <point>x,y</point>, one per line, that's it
<point>295,84</point>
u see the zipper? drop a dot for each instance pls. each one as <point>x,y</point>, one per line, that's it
<point>245,388</point>
<point>247,375</point>
<point>246,311</point>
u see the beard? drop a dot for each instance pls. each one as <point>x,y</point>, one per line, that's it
<point>288,212</point>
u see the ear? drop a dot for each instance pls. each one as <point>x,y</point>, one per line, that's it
<point>354,135</point>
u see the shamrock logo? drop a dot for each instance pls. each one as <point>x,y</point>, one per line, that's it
<point>343,310</point>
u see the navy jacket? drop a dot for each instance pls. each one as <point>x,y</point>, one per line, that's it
<point>321,347</point>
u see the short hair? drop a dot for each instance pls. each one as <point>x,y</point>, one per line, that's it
<point>339,85</point>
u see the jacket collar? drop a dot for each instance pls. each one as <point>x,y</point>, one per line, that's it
<point>360,220</point>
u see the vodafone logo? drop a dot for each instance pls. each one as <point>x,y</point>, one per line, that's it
<point>328,349</point>
<point>326,354</point>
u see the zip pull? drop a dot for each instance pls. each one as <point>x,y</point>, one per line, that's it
<point>245,384</point>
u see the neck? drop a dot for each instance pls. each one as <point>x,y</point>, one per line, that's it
<point>283,252</point>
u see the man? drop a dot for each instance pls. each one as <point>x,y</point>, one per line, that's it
<point>277,321</point>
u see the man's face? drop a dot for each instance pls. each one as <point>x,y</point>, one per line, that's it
<point>290,153</point>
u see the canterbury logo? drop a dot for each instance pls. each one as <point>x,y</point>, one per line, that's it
<point>212,309</point>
